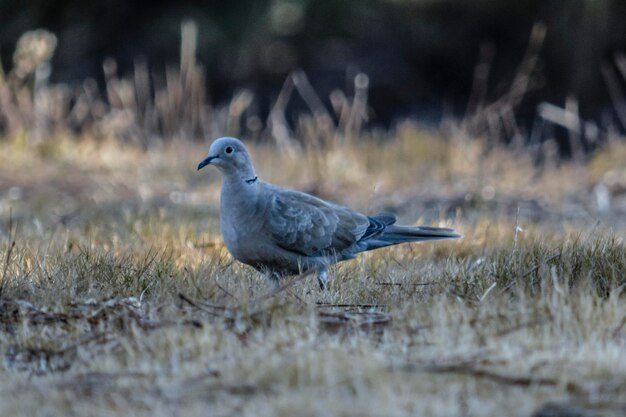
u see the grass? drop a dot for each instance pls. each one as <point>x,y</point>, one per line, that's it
<point>118,297</point>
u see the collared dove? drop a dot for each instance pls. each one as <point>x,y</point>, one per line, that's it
<point>285,232</point>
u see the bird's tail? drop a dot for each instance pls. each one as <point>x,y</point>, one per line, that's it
<point>394,235</point>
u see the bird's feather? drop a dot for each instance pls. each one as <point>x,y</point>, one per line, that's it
<point>309,226</point>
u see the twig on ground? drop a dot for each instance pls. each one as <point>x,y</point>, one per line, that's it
<point>407,284</point>
<point>486,293</point>
<point>321,304</point>
<point>186,299</point>
<point>468,369</point>
<point>360,320</point>
<point>218,285</point>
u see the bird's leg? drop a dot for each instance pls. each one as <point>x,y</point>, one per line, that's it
<point>322,278</point>
<point>274,279</point>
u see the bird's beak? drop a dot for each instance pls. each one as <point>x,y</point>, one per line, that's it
<point>206,161</point>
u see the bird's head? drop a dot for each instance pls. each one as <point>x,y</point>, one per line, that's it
<point>230,156</point>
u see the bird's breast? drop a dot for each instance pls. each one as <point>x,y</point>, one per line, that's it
<point>241,223</point>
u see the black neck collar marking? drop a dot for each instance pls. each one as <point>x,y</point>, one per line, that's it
<point>252,180</point>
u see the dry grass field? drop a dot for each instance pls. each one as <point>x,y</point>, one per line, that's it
<point>119,299</point>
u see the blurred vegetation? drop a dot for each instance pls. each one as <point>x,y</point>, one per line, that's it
<point>427,58</point>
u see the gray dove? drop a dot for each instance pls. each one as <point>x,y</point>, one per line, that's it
<point>285,232</point>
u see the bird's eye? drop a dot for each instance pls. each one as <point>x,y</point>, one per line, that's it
<point>228,150</point>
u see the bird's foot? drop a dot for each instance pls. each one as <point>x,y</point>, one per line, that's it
<point>274,280</point>
<point>322,278</point>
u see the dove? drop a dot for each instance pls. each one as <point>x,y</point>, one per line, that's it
<point>282,232</point>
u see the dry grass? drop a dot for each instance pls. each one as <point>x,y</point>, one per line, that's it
<point>118,297</point>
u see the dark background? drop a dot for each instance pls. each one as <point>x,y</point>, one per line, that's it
<point>420,55</point>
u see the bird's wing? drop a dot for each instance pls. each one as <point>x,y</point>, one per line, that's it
<point>309,226</point>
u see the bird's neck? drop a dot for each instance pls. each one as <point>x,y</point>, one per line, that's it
<point>243,184</point>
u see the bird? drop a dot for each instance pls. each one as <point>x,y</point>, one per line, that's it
<point>282,232</point>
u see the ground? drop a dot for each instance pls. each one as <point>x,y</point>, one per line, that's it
<point>118,297</point>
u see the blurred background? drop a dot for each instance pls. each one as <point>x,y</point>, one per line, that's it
<point>529,71</point>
